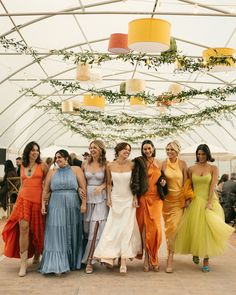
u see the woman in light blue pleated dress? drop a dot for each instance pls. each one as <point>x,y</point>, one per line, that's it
<point>63,249</point>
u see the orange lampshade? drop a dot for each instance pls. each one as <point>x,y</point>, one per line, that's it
<point>118,43</point>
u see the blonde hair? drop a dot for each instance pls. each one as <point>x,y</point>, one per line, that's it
<point>175,145</point>
<point>102,159</point>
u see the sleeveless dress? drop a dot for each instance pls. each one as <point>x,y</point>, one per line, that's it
<point>63,232</point>
<point>28,207</point>
<point>149,215</point>
<point>202,232</point>
<point>97,209</point>
<point>172,205</point>
<point>121,237</point>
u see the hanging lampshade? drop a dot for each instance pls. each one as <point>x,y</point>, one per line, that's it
<point>122,88</point>
<point>93,102</point>
<point>137,102</point>
<point>134,86</point>
<point>118,43</point>
<point>76,105</point>
<point>67,106</point>
<point>83,72</point>
<point>149,35</point>
<point>175,88</point>
<point>227,54</point>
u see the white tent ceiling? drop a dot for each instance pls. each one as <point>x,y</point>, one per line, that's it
<point>81,25</point>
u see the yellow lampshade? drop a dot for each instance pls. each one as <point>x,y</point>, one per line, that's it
<point>83,72</point>
<point>93,102</point>
<point>149,35</point>
<point>228,53</point>
<point>67,106</point>
<point>134,86</point>
<point>137,102</point>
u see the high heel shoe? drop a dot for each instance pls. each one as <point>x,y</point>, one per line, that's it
<point>156,268</point>
<point>123,269</point>
<point>205,267</point>
<point>196,259</point>
<point>89,269</point>
<point>169,267</point>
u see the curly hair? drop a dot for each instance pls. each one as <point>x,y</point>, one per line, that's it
<point>101,146</point>
<point>29,147</point>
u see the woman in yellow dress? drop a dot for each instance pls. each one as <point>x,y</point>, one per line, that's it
<point>202,231</point>
<point>179,195</point>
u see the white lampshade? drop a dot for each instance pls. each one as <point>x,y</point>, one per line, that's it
<point>83,72</point>
<point>134,86</point>
<point>67,106</point>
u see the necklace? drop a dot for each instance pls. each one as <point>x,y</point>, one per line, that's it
<point>30,170</point>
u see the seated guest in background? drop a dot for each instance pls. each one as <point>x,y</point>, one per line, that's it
<point>18,164</point>
<point>85,155</point>
<point>219,187</point>
<point>74,160</point>
<point>9,171</point>
<point>228,198</point>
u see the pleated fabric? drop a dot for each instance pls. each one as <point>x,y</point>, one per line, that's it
<point>121,236</point>
<point>97,209</point>
<point>63,232</point>
<point>149,215</point>
<point>28,208</point>
<point>202,232</point>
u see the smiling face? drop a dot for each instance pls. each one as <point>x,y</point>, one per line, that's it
<point>95,151</point>
<point>171,153</point>
<point>60,160</point>
<point>201,156</point>
<point>34,154</point>
<point>148,150</point>
<point>125,152</point>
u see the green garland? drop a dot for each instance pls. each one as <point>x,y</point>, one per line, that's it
<point>184,63</point>
<point>114,96</point>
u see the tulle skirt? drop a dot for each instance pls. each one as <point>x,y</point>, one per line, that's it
<point>202,232</point>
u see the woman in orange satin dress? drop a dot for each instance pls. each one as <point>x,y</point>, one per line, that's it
<point>145,176</point>
<point>24,232</point>
<point>179,195</point>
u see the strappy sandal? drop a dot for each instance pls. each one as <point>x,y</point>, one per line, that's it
<point>89,269</point>
<point>205,267</point>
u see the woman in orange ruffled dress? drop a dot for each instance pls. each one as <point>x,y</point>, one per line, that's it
<point>179,195</point>
<point>146,178</point>
<point>24,232</point>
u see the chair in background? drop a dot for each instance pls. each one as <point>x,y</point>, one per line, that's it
<point>13,186</point>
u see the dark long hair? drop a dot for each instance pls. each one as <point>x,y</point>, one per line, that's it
<point>8,166</point>
<point>64,155</point>
<point>205,148</point>
<point>26,152</point>
<point>119,147</point>
<point>147,141</point>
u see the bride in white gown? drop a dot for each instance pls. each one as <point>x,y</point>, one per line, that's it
<point>121,237</point>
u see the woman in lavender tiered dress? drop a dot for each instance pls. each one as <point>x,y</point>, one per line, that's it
<point>95,170</point>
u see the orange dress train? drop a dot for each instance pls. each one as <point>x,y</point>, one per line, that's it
<point>28,207</point>
<point>149,215</point>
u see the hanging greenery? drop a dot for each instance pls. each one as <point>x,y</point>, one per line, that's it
<point>183,63</point>
<point>114,96</point>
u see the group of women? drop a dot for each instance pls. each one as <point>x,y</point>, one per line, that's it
<point>107,211</point>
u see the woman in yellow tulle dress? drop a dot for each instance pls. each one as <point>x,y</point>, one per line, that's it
<point>202,231</point>
<point>179,195</point>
